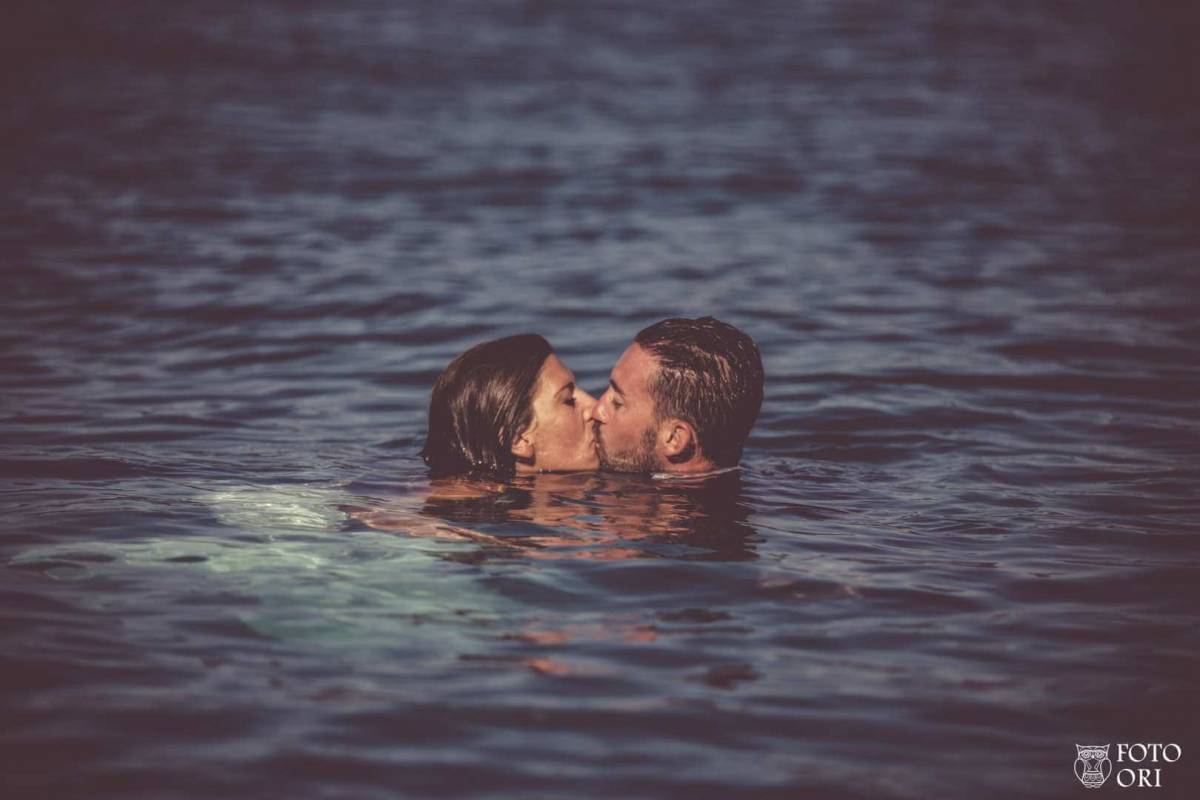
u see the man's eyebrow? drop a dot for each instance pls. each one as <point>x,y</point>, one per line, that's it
<point>616,386</point>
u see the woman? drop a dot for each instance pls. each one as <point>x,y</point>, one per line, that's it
<point>509,406</point>
<point>501,409</point>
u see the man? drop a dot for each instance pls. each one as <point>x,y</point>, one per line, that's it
<point>681,399</point>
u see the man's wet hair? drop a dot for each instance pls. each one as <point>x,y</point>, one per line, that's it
<point>710,374</point>
<point>480,403</point>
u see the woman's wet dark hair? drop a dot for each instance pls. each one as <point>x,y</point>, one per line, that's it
<point>480,403</point>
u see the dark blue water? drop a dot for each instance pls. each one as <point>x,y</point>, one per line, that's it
<point>239,241</point>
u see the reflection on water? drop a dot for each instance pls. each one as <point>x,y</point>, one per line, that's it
<point>321,563</point>
<point>592,515</point>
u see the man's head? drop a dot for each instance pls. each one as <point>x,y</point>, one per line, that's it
<point>682,398</point>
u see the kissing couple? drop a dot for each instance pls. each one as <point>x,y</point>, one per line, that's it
<point>681,400</point>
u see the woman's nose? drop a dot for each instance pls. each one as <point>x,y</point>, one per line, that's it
<point>599,411</point>
<point>589,404</point>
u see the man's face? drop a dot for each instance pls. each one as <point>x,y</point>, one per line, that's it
<point>626,434</point>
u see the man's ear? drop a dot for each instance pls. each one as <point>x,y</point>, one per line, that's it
<point>678,439</point>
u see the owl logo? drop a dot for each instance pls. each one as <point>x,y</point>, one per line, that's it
<point>1092,766</point>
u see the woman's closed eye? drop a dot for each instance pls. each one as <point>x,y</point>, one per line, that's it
<point>567,393</point>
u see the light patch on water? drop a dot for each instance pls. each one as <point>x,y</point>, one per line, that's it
<point>278,508</point>
<point>309,579</point>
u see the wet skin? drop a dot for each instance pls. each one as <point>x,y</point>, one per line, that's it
<point>561,437</point>
<point>624,415</point>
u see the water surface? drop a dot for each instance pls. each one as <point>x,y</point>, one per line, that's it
<point>239,242</point>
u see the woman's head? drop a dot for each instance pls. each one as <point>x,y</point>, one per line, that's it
<point>508,406</point>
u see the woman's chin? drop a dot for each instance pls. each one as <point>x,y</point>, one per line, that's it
<point>589,463</point>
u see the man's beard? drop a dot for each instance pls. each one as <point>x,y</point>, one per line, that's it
<point>640,458</point>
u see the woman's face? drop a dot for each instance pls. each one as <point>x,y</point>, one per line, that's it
<point>561,435</point>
